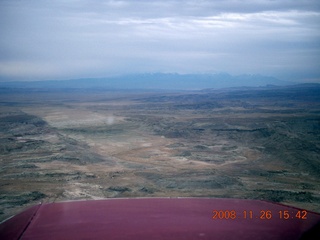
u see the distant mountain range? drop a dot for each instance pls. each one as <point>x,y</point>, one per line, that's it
<point>155,81</point>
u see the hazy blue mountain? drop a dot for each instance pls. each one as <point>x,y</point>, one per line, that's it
<point>155,81</point>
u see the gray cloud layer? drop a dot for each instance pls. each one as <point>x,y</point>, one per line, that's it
<point>78,38</point>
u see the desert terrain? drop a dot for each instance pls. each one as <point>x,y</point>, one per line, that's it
<point>249,143</point>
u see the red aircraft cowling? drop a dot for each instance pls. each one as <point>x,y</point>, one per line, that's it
<point>162,218</point>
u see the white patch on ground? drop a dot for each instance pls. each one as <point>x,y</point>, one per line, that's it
<point>83,190</point>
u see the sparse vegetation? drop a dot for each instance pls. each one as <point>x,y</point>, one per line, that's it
<point>255,144</point>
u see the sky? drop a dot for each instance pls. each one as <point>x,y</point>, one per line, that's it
<point>67,39</point>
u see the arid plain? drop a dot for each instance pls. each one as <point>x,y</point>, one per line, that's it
<point>59,145</point>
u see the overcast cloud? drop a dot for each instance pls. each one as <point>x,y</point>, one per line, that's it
<point>63,39</point>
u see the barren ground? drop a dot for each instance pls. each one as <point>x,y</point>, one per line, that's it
<point>68,145</point>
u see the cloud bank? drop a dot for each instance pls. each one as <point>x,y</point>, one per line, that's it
<point>73,39</point>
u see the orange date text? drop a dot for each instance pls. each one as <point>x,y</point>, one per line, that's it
<point>264,214</point>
